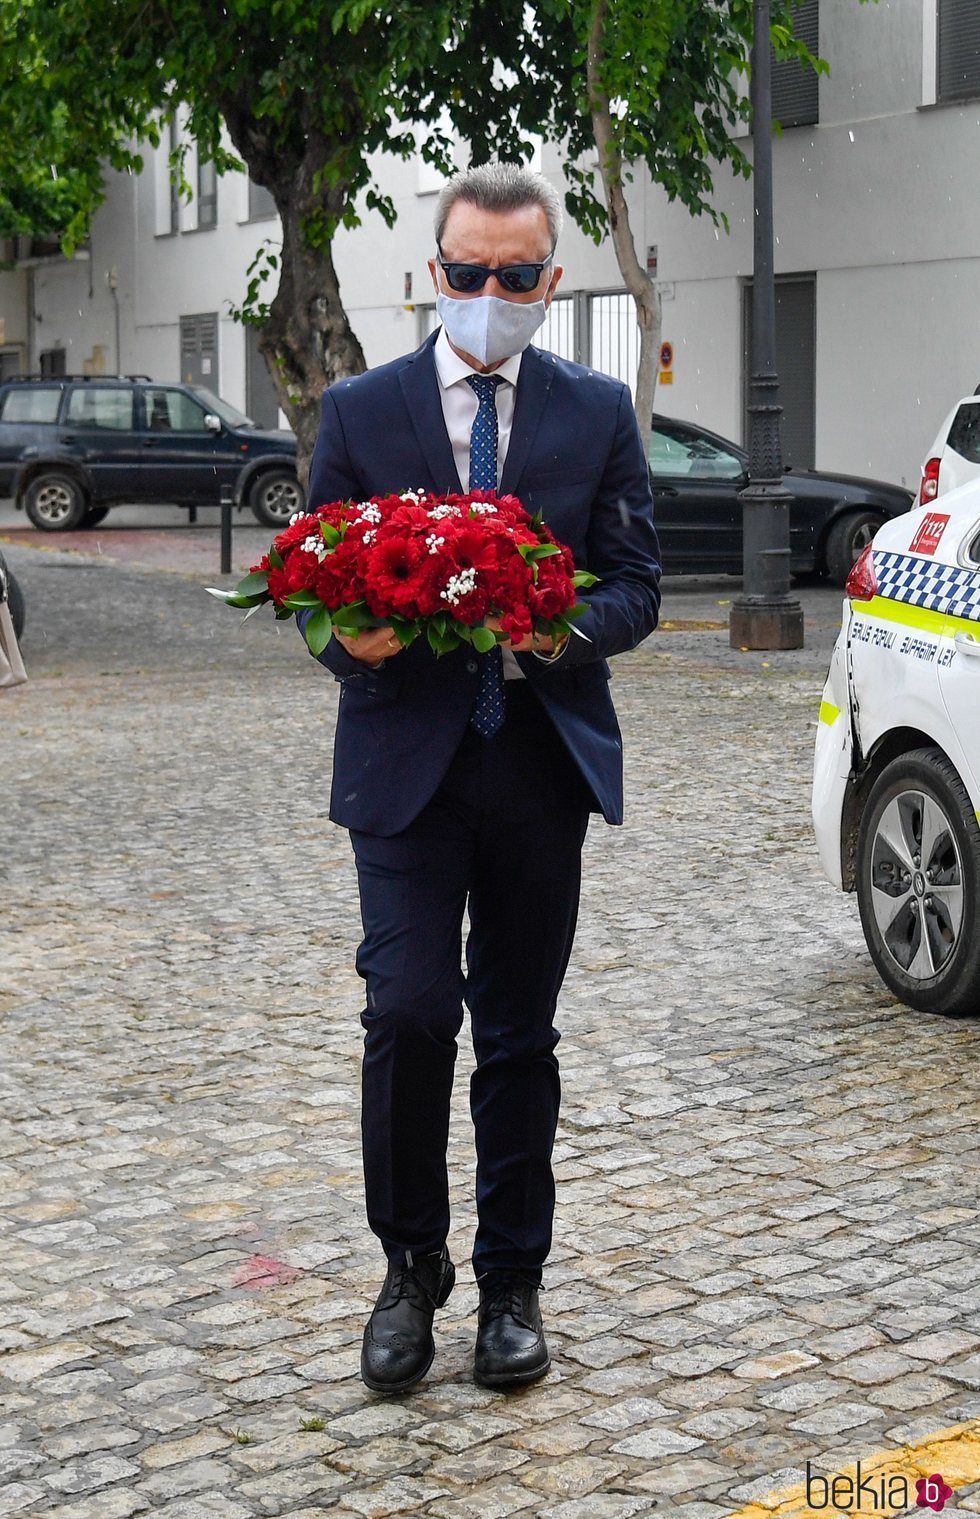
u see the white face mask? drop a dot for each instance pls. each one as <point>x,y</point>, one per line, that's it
<point>487,327</point>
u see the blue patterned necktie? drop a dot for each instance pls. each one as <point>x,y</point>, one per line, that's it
<point>488,709</point>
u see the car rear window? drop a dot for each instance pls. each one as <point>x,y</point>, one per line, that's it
<point>30,403</point>
<point>964,435</point>
<point>101,406</point>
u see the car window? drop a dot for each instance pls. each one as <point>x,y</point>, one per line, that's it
<point>31,403</point>
<point>222,409</point>
<point>964,435</point>
<point>673,452</point>
<point>172,411</point>
<point>101,406</point>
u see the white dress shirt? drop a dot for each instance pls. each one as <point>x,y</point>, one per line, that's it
<point>459,408</point>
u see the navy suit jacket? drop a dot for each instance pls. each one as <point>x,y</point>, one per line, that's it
<point>575,456</point>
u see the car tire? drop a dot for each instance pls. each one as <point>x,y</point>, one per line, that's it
<point>275,497</point>
<point>918,870</point>
<point>54,502</point>
<point>847,539</point>
<point>94,515</point>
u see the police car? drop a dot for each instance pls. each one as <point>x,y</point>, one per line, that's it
<point>896,785</point>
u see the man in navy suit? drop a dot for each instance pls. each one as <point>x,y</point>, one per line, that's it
<point>467,781</point>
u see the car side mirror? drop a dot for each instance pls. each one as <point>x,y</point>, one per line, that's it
<point>212,423</point>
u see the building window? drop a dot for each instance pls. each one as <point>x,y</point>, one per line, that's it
<point>958,50</point>
<point>207,193</point>
<point>261,203</point>
<point>795,89</point>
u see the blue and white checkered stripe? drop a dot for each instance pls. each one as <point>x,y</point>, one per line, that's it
<point>924,583</point>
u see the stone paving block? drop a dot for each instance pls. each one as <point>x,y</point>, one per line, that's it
<point>116,1504</point>
<point>679,1478</point>
<point>84,1439</point>
<point>720,1423</point>
<point>25,1366</point>
<point>657,1441</point>
<point>193,1476</point>
<point>833,1418</point>
<point>942,1345</point>
<point>477,1465</point>
<point>779,1364</point>
<point>627,1414</point>
<point>571,1477</point>
<point>464,1433</point>
<point>96,1472</point>
<point>912,1392</point>
<point>281,1492</point>
<point>399,1495</point>
<point>22,1498</point>
<point>873,1368</point>
<point>598,1506</point>
<point>205,1506</point>
<point>173,1452</point>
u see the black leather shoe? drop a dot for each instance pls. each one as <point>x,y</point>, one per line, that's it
<point>510,1344</point>
<point>398,1346</point>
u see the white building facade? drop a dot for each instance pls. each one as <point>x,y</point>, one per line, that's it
<point>877,259</point>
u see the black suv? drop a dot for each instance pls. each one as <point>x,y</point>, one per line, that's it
<point>72,447</point>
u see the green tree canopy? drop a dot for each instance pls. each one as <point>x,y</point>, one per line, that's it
<point>308,91</point>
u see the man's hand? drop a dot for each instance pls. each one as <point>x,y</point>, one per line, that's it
<point>371,646</point>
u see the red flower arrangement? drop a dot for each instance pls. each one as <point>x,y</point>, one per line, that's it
<point>457,569</point>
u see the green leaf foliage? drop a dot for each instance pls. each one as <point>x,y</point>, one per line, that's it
<point>484,639</point>
<point>317,631</point>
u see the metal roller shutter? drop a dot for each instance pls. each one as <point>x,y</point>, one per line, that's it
<point>958,51</point>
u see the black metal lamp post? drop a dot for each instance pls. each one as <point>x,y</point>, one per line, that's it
<point>764,616</point>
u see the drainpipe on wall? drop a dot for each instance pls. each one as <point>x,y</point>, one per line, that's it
<point>112,280</point>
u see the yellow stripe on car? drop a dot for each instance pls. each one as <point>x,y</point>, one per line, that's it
<point>829,713</point>
<point>908,616</point>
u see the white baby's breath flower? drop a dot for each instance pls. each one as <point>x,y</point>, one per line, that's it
<point>295,517</point>
<point>434,543</point>
<point>368,513</point>
<point>369,536</point>
<point>314,544</point>
<point>458,586</point>
<point>436,513</point>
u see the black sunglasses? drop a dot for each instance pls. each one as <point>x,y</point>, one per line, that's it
<point>518,279</point>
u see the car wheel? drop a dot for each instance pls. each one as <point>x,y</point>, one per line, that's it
<point>918,873</point>
<point>54,503</point>
<point>847,540</point>
<point>94,515</point>
<point>275,497</point>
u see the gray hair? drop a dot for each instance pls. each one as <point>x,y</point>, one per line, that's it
<point>499,187</point>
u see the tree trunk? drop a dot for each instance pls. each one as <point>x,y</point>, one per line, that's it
<point>645,294</point>
<point>307,341</point>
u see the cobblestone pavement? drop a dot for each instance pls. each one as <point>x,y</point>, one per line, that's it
<point>766,1248</point>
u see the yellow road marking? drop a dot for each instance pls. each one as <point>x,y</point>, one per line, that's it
<point>829,713</point>
<point>954,1453</point>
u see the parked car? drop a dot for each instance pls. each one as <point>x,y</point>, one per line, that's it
<point>896,782</point>
<point>73,447</point>
<point>11,592</point>
<point>954,458</point>
<point>697,476</point>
